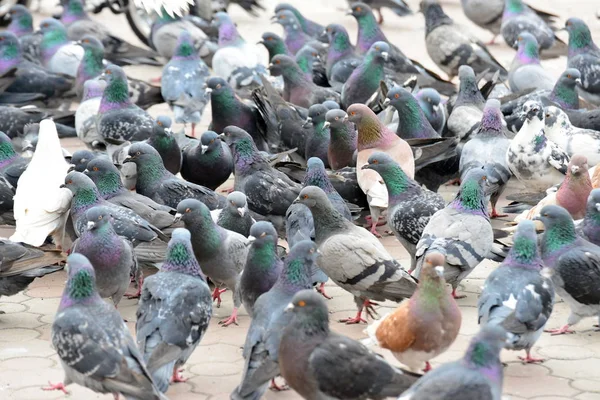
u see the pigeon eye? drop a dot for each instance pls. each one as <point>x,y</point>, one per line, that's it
<point>69,182</point>
<point>1,38</point>
<point>314,54</point>
<point>302,303</point>
<point>138,153</point>
<point>337,118</point>
<point>99,218</point>
<point>108,72</point>
<point>277,62</point>
<point>269,38</point>
<point>263,234</point>
<point>359,9</point>
<point>212,141</point>
<point>396,96</point>
<point>375,161</point>
<point>569,76</point>
<point>352,113</point>
<point>282,17</point>
<point>305,197</point>
<point>159,123</point>
<point>484,178</point>
<point>95,168</point>
<point>376,47</point>
<point>187,210</point>
<point>218,86</point>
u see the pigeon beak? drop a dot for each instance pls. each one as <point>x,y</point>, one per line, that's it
<point>270,65</point>
<point>260,42</point>
<point>207,91</point>
<point>251,239</point>
<point>385,55</point>
<point>128,159</point>
<point>386,102</point>
<point>289,307</point>
<point>307,122</point>
<point>177,218</point>
<point>63,186</point>
<point>574,169</point>
<point>102,77</point>
<point>349,12</point>
<point>273,18</point>
<point>241,211</point>
<point>598,207</point>
<point>222,136</point>
<point>71,168</point>
<point>7,16</point>
<point>578,81</point>
<point>203,148</point>
<point>326,124</point>
<point>296,201</point>
<point>90,225</point>
<point>27,146</point>
<point>345,119</point>
<point>439,270</point>
<point>86,171</point>
<point>366,166</point>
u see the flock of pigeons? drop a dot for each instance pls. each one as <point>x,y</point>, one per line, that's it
<point>328,128</point>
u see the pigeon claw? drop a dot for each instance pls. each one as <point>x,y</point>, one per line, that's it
<point>496,215</point>
<point>135,295</point>
<point>278,388</point>
<point>458,296</point>
<point>321,290</point>
<point>356,320</point>
<point>530,360</point>
<point>56,386</point>
<point>231,320</point>
<point>217,295</point>
<point>427,367</point>
<point>559,331</point>
<point>177,377</point>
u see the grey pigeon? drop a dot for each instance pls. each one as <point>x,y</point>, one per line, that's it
<point>207,162</point>
<point>535,160</point>
<point>174,311</point>
<point>574,264</point>
<point>477,376</point>
<point>261,347</point>
<point>12,165</point>
<point>364,257</point>
<point>21,24</point>
<point>111,255</point>
<point>431,103</point>
<point>268,191</point>
<point>221,253</point>
<point>163,140</point>
<point>342,58</point>
<point>58,54</point>
<point>589,228</point>
<point>295,37</point>
<point>317,144</point>
<point>468,107</point>
<point>154,181</point>
<point>93,343</point>
<point>342,140</point>
<point>309,27</point>
<point>236,216</point>
<point>107,179</point>
<point>584,56</point>
<point>516,296</point>
<point>182,82</point>
<point>319,363</point>
<point>118,118</point>
<point>85,116</point>
<point>365,79</point>
<point>526,72</point>
<point>316,175</point>
<point>487,148</point>
<point>461,232</point>
<point>262,267</point>
<point>399,7</point>
<point>409,206</point>
<point>449,45</point>
<point>81,158</point>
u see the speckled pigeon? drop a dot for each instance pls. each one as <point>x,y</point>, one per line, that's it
<point>584,56</point>
<point>154,181</point>
<point>516,296</point>
<point>261,347</point>
<point>208,162</point>
<point>58,54</point>
<point>221,253</point>
<point>526,72</point>
<point>174,311</point>
<point>319,363</point>
<point>93,343</point>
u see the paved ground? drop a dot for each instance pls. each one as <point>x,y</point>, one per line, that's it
<point>571,371</point>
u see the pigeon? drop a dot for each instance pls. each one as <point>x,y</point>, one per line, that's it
<point>516,296</point>
<point>317,144</point>
<point>40,206</point>
<point>569,138</point>
<point>588,228</point>
<point>424,326</point>
<point>118,118</point>
<point>264,335</point>
<point>268,191</point>
<point>341,152</point>
<point>309,27</point>
<point>174,312</point>
<point>478,375</point>
<point>351,257</point>
<point>574,264</point>
<point>111,255</point>
<point>57,53</point>
<point>21,264</point>
<point>576,187</point>
<point>468,108</point>
<point>533,159</point>
<point>319,363</point>
<point>274,45</point>
<point>298,89</point>
<point>13,120</point>
<point>85,116</point>
<point>450,46</point>
<point>364,80</point>
<point>93,343</point>
<point>182,82</point>
<point>316,175</point>
<point>263,265</point>
<point>295,37</point>
<point>164,142</point>
<point>235,61</point>
<point>412,123</point>
<point>107,179</point>
<point>80,159</point>
<point>584,56</point>
<point>12,165</point>
<point>429,99</point>
<point>519,18</point>
<point>526,72</point>
<point>309,62</point>
<point>208,163</point>
<point>85,196</point>
<point>155,182</point>
<point>399,7</point>
<point>221,253</point>
<point>487,148</point>
<point>228,109</point>
<point>409,205</point>
<point>341,56</point>
<point>372,137</point>
<point>461,232</point>
<point>235,216</point>
<point>21,24</point>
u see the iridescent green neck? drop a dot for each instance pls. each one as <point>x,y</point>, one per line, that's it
<point>558,236</point>
<point>470,198</point>
<point>109,183</point>
<point>295,273</point>
<point>395,179</point>
<point>11,55</point>
<point>523,251</point>
<point>263,256</point>
<point>85,197</point>
<point>92,61</point>
<point>180,259</point>
<point>514,7</point>
<point>429,295</point>
<point>117,91</point>
<point>81,285</point>
<point>150,173</point>
<point>480,355</point>
<point>186,51</point>
<point>411,119</point>
<point>565,96</point>
<point>7,152</point>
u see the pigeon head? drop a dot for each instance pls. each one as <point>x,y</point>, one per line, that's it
<point>209,141</point>
<point>316,114</point>
<point>287,6</point>
<point>21,20</point>
<point>379,51</point>
<point>396,180</point>
<point>316,175</point>
<point>331,105</point>
<point>580,37</point>
<point>528,48</point>
<point>185,49</point>
<point>492,116</point>
<point>468,91</point>
<point>556,118</point>
<point>98,217</point>
<point>80,159</point>
<point>525,246</point>
<point>430,96</point>
<point>298,264</point>
<point>484,349</point>
<point>533,110</point>
<point>162,126</point>
<point>288,20</point>
<point>431,294</point>
<point>306,58</point>
<point>559,228</point>
<point>193,213</point>
<point>89,42</point>
<point>471,196</point>
<point>74,11</point>
<point>338,37</point>
<point>360,10</point>
<point>274,44</point>
<point>397,97</point>
<point>10,50</point>
<point>238,140</point>
<point>228,33</point>
<point>309,310</point>
<point>54,36</point>
<point>236,203</point>
<point>93,88</point>
<point>81,282</point>
<point>262,233</point>
<point>85,193</point>
<point>283,65</point>
<point>105,176</point>
<point>51,25</point>
<point>593,206</point>
<point>578,166</point>
<point>564,92</point>
<point>7,151</point>
<point>180,255</point>
<point>116,93</point>
<point>336,119</point>
<point>433,269</point>
<point>434,15</point>
<point>313,197</point>
<point>219,90</point>
<point>221,18</point>
<point>143,155</point>
<point>369,128</point>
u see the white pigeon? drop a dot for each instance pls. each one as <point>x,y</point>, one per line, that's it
<point>533,159</point>
<point>570,138</point>
<point>41,205</point>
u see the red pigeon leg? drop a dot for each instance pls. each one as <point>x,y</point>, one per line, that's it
<point>231,320</point>
<point>427,367</point>
<point>56,386</point>
<point>156,80</point>
<point>193,129</point>
<point>177,377</point>
<point>496,215</point>
<point>458,296</point>
<point>493,41</point>
<point>138,293</point>
<point>530,360</point>
<point>373,230</point>
<point>368,307</point>
<point>380,19</point>
<point>560,331</point>
<point>321,290</point>
<point>217,295</point>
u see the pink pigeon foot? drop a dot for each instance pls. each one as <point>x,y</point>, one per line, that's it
<point>56,386</point>
<point>231,320</point>
<point>217,295</point>
<point>373,230</point>
<point>138,293</point>
<point>458,296</point>
<point>277,388</point>
<point>559,331</point>
<point>427,367</point>
<point>321,290</point>
<point>530,360</point>
<point>496,215</point>
<point>356,320</point>
<point>177,377</point>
